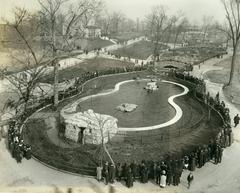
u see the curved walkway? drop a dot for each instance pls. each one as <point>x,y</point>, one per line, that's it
<point>72,107</point>
<point>31,176</point>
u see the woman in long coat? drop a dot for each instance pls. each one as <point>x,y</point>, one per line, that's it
<point>163,179</point>
<point>192,162</point>
<point>99,173</point>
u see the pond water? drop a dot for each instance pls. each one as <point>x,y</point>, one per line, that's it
<point>152,109</point>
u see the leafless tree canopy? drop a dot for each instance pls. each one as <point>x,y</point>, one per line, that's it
<point>233,31</point>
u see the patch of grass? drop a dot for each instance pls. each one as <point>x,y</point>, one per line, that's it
<point>218,76</point>
<point>135,145</point>
<point>126,36</point>
<point>193,53</point>
<point>89,65</point>
<point>92,44</point>
<point>73,159</point>
<point>140,50</point>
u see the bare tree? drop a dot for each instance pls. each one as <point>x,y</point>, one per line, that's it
<point>233,18</point>
<point>160,23</point>
<point>76,14</point>
<point>116,19</point>
<point>207,24</point>
<point>101,123</point>
<point>104,21</point>
<point>180,29</point>
<point>50,10</point>
<point>26,82</point>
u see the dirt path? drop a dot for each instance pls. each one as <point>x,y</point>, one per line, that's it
<point>32,176</point>
<point>226,176</point>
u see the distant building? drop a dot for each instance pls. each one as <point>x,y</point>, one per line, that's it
<point>92,31</point>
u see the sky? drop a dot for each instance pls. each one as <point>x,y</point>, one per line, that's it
<point>193,9</point>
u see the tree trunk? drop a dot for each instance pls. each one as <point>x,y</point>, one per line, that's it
<point>109,156</point>
<point>233,62</point>
<point>156,42</point>
<point>55,89</point>
<point>54,63</point>
<point>175,40</point>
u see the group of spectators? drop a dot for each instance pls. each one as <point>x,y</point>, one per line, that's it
<point>165,172</point>
<point>219,106</point>
<point>90,75</point>
<point>16,145</point>
<point>169,171</point>
<point>162,173</point>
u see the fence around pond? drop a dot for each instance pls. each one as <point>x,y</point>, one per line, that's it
<point>137,137</point>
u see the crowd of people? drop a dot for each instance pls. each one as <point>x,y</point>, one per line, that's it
<point>165,172</point>
<point>169,171</point>
<point>16,145</point>
<point>90,75</point>
<point>199,83</point>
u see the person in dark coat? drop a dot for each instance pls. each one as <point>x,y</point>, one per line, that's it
<point>174,170</point>
<point>106,175</point>
<point>11,148</point>
<point>220,155</point>
<point>144,173</point>
<point>124,171</point>
<point>112,173</point>
<point>118,172</point>
<point>169,175</point>
<point>151,170</point>
<point>18,154</point>
<point>236,120</point>
<point>138,169</point>
<point>190,179</point>
<point>178,172</point>
<point>205,155</point>
<point>230,137</point>
<point>192,162</point>
<point>129,178</point>
<point>133,167</point>
<point>28,152</point>
<point>158,174</point>
<point>106,172</point>
<point>200,158</point>
<point>216,157</point>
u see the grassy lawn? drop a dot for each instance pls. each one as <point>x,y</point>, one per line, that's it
<point>91,44</point>
<point>12,65</point>
<point>177,139</point>
<point>140,50</point>
<point>126,36</point>
<point>89,65</point>
<point>192,53</point>
<point>72,159</point>
<point>218,76</point>
<point>232,92</point>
